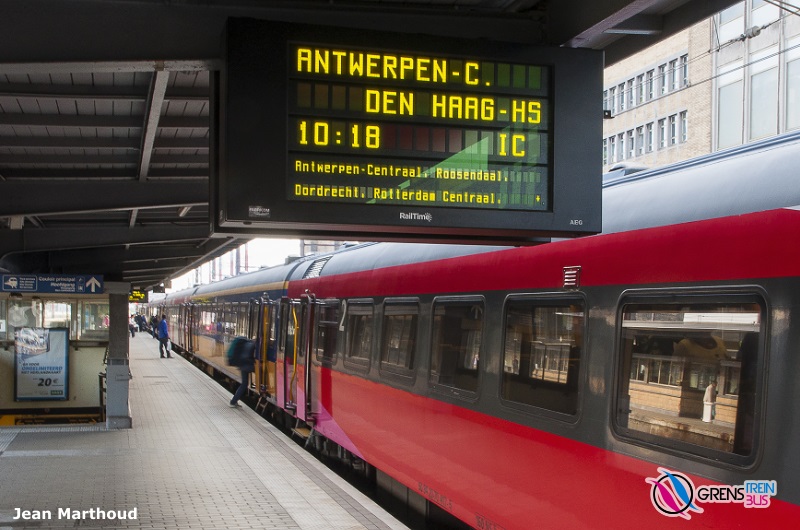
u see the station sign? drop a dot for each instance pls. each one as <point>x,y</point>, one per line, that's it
<point>52,283</point>
<point>332,131</point>
<point>137,296</point>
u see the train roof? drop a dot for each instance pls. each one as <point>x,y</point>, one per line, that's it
<point>750,178</point>
<point>379,255</point>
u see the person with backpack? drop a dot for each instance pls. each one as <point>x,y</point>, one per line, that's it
<point>241,353</point>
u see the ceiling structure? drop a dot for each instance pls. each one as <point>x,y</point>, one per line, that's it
<point>105,105</point>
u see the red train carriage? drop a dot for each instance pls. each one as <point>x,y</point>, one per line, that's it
<point>485,385</point>
<point>627,379</point>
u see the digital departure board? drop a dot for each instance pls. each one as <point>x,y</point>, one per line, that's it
<point>389,127</point>
<point>333,132</point>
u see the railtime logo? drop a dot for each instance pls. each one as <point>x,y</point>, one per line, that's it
<point>673,494</point>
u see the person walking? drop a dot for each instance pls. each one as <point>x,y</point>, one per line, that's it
<point>244,357</point>
<point>163,337</point>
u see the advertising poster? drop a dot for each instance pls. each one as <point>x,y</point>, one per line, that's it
<point>41,359</point>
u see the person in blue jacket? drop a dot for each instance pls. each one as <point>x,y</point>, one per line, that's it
<point>163,337</point>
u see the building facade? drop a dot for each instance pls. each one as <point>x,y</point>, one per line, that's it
<point>756,72</point>
<point>658,107</point>
<point>728,80</point>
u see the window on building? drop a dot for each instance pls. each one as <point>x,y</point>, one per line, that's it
<point>612,100</point>
<point>631,145</point>
<point>612,149</point>
<point>764,13</point>
<point>650,84</point>
<point>605,151</point>
<point>687,365</point>
<point>640,89</point>
<point>673,129</point>
<point>793,89</point>
<point>764,93</point>
<point>57,314</point>
<point>631,94</point>
<point>94,320</point>
<point>621,97</point>
<point>674,75</point>
<point>731,23</point>
<point>684,70</point>
<point>730,115</point>
<point>649,137</point>
<point>662,79</point>
<point>543,348</point>
<point>684,126</point>
<point>606,105</point>
<point>620,147</point>
<point>456,347</point>
<point>662,133</point>
<point>639,141</point>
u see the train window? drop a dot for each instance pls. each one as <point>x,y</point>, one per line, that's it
<point>455,352</point>
<point>689,375</point>
<point>399,339</point>
<point>543,347</point>
<point>327,322</point>
<point>358,333</point>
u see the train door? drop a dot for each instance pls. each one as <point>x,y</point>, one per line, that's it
<point>267,346</point>
<point>304,333</point>
<point>321,355</point>
<point>186,323</point>
<point>261,328</point>
<point>286,354</point>
<point>296,321</point>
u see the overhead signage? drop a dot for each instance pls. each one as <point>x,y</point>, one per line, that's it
<point>53,284</point>
<point>346,132</point>
<point>137,296</point>
<point>372,127</point>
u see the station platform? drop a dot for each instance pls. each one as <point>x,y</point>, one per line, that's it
<point>190,461</point>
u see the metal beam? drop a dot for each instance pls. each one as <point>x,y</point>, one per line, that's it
<point>39,240</point>
<point>136,254</point>
<point>95,121</point>
<point>102,92</point>
<point>155,100</point>
<point>26,197</point>
<point>108,142</point>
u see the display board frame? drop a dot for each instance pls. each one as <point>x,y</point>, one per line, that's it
<point>254,133</point>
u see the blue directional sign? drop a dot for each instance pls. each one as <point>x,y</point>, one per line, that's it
<point>52,283</point>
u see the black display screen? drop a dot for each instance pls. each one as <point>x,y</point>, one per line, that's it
<point>343,133</point>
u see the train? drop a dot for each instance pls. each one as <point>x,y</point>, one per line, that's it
<point>643,376</point>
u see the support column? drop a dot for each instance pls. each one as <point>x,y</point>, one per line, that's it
<point>118,374</point>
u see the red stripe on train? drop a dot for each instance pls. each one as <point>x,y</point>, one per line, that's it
<point>760,245</point>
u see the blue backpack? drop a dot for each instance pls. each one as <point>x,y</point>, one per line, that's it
<point>240,351</point>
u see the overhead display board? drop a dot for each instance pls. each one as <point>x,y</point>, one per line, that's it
<point>331,133</point>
